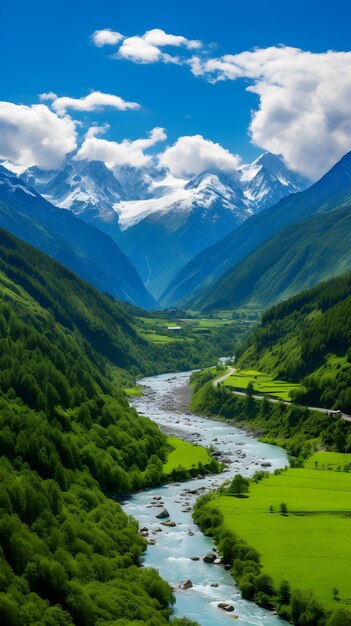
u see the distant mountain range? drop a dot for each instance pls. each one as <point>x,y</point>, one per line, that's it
<point>194,282</point>
<point>81,247</point>
<point>213,241</point>
<point>161,222</point>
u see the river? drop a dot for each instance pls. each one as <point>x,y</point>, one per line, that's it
<point>164,401</point>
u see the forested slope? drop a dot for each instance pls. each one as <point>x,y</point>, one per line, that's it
<point>307,338</point>
<point>68,441</point>
<point>298,257</point>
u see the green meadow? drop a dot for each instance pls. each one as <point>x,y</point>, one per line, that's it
<point>329,461</point>
<point>185,455</point>
<point>310,546</point>
<point>262,383</point>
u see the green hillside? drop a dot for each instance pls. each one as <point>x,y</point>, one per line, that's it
<point>68,441</point>
<point>307,339</point>
<point>297,258</point>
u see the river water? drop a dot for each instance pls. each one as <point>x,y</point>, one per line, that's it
<point>164,401</point>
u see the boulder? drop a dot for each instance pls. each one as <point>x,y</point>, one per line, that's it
<point>210,557</point>
<point>168,523</point>
<point>163,513</point>
<point>144,529</point>
<point>225,606</point>
<point>195,558</point>
<point>214,585</point>
<point>218,561</point>
<point>186,584</point>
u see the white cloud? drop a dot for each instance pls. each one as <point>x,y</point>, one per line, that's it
<point>34,135</point>
<point>158,37</point>
<point>147,48</point>
<point>304,102</point>
<point>115,154</point>
<point>95,130</point>
<point>50,95</point>
<point>92,102</point>
<point>106,37</point>
<point>191,155</point>
<point>140,51</point>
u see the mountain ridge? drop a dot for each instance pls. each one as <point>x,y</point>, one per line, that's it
<point>80,246</point>
<point>138,208</point>
<point>333,189</point>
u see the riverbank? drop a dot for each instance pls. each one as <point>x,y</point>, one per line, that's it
<point>296,525</point>
<point>174,548</point>
<point>186,460</point>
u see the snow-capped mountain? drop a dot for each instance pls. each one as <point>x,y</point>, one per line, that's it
<point>267,180</point>
<point>159,221</point>
<point>87,189</point>
<point>161,233</point>
<point>172,195</point>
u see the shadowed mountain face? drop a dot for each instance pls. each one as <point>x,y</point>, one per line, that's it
<point>159,221</point>
<point>330,192</point>
<point>81,247</point>
<point>296,258</point>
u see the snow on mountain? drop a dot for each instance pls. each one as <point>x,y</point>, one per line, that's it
<point>267,180</point>
<point>176,195</point>
<point>87,189</point>
<point>161,222</point>
<point>121,199</point>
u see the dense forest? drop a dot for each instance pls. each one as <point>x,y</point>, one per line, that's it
<point>307,339</point>
<point>109,326</point>
<point>68,442</point>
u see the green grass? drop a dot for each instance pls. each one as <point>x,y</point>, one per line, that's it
<point>310,547</point>
<point>263,383</point>
<point>185,454</point>
<point>154,338</point>
<point>328,460</point>
<point>133,391</point>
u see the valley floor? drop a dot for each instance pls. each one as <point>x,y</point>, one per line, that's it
<point>310,545</point>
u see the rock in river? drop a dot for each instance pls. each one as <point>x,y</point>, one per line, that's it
<point>210,557</point>
<point>186,584</point>
<point>225,606</point>
<point>163,513</point>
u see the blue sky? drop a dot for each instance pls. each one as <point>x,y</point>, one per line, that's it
<point>47,47</point>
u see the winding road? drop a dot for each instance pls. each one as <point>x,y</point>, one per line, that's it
<point>231,370</point>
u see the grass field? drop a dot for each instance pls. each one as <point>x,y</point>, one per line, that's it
<point>133,391</point>
<point>156,329</point>
<point>328,460</point>
<point>155,338</point>
<point>263,383</point>
<point>185,454</point>
<point>309,547</point>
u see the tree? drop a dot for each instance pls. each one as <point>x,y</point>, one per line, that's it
<point>271,509</point>
<point>283,508</point>
<point>284,593</point>
<point>239,485</point>
<point>335,593</point>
